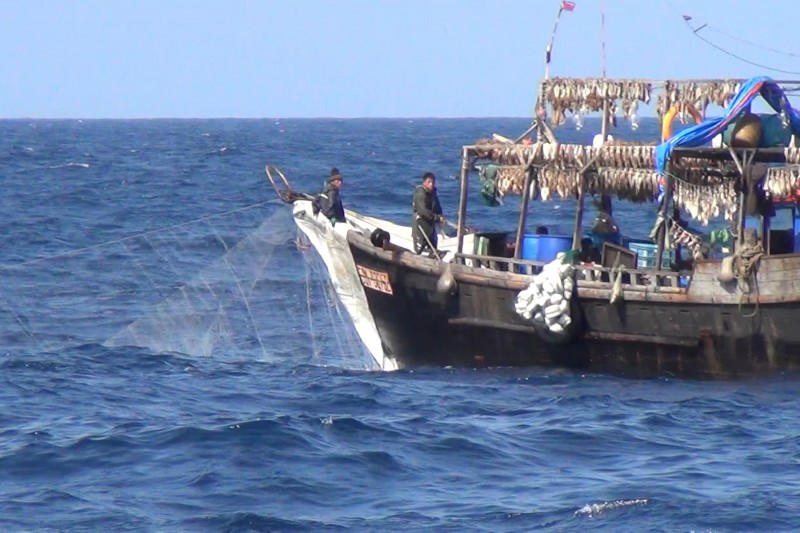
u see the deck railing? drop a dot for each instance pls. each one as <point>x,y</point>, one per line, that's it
<point>587,275</point>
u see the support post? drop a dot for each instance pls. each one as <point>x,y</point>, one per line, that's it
<point>523,215</point>
<point>743,166</point>
<point>534,126</point>
<point>662,235</point>
<point>604,124</point>
<point>603,138</point>
<point>462,199</point>
<point>577,230</point>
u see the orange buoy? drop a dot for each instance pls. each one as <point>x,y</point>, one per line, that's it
<point>666,125</point>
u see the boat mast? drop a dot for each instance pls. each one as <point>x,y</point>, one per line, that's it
<point>577,231</point>
<point>541,134</point>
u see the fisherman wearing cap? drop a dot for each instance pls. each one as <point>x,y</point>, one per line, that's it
<point>426,213</point>
<point>328,202</point>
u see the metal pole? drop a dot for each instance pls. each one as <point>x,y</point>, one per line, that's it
<point>604,137</point>
<point>462,199</point>
<point>549,50</point>
<point>604,124</point>
<point>603,35</point>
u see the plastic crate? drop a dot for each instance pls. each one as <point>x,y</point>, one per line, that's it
<point>646,254</point>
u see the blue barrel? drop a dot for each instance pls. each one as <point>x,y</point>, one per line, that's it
<point>530,247</point>
<point>544,247</point>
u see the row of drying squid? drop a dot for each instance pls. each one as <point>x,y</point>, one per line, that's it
<point>702,203</point>
<point>583,89</point>
<point>628,184</point>
<point>678,235</point>
<point>635,185</point>
<point>581,96</point>
<point>571,155</point>
<point>783,182</point>
<point>584,96</point>
<point>700,94</point>
<point>630,156</point>
<point>706,203</point>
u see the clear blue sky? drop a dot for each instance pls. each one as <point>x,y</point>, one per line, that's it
<point>354,58</point>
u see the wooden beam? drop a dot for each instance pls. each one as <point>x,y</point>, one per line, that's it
<point>533,126</point>
<point>577,229</point>
<point>743,165</point>
<point>662,81</point>
<point>523,215</point>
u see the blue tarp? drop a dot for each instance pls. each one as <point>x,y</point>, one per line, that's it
<point>705,131</point>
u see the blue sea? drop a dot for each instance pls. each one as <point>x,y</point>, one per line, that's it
<point>172,360</point>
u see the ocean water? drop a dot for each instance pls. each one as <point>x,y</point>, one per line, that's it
<point>171,360</point>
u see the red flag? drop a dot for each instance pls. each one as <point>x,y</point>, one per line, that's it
<point>567,6</point>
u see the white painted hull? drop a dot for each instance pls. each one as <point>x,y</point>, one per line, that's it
<point>331,244</point>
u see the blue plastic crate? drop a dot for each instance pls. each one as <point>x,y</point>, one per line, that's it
<point>646,254</point>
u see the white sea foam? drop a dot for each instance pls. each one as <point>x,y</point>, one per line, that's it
<point>71,165</point>
<point>594,509</point>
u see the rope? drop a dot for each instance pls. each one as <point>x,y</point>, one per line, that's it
<point>696,33</point>
<point>129,237</point>
<point>686,182</point>
<point>751,43</point>
<point>433,248</point>
<point>745,260</point>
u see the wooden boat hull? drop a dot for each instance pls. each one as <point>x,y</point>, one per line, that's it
<point>700,332</point>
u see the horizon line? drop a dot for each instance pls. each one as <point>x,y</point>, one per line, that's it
<point>422,117</point>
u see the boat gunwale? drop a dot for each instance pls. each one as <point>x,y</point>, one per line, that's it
<point>586,289</point>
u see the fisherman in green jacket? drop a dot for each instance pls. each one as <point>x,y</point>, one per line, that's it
<point>426,213</point>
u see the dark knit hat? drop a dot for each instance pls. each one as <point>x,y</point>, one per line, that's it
<point>334,175</point>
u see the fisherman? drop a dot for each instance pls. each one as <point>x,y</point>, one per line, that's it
<point>426,213</point>
<point>589,252</point>
<point>329,201</point>
<point>604,223</point>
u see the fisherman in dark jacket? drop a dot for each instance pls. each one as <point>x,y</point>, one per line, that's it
<point>426,213</point>
<point>329,201</point>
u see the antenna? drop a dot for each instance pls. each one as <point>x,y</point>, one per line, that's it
<point>563,5</point>
<point>603,37</point>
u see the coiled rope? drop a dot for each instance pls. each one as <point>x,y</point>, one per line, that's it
<point>745,261</point>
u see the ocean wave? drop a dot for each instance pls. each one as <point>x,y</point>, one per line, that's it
<point>251,521</point>
<point>225,151</point>
<point>281,431</point>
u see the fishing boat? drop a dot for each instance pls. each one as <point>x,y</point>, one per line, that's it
<point>678,304</point>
